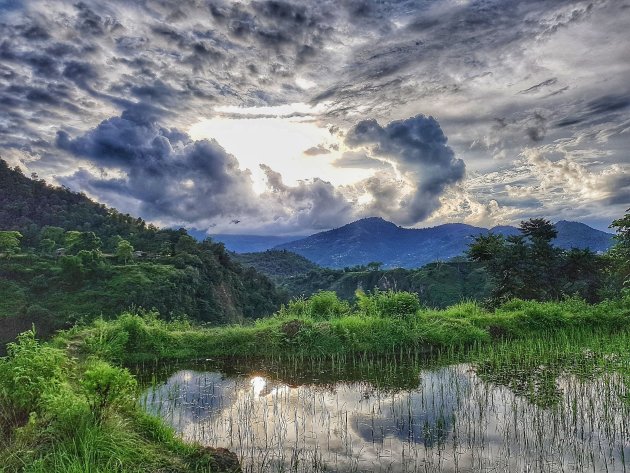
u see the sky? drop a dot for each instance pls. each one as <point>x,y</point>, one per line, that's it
<point>292,117</point>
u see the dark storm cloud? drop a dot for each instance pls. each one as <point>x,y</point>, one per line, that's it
<point>536,127</point>
<point>166,174</point>
<point>598,109</point>
<point>417,147</point>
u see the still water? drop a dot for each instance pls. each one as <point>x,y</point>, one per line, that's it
<point>441,419</point>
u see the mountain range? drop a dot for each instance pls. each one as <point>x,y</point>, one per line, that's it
<point>375,239</point>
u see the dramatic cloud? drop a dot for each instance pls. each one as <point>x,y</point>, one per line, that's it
<point>418,150</point>
<point>166,175</point>
<point>117,88</point>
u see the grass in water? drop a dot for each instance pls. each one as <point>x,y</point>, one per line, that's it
<point>70,405</point>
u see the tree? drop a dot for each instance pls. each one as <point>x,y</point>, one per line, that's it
<point>9,242</point>
<point>528,266</point>
<point>538,229</point>
<point>72,269</point>
<point>56,234</point>
<point>486,247</point>
<point>620,252</point>
<point>124,251</point>
<point>374,266</point>
<point>46,246</point>
<point>77,241</point>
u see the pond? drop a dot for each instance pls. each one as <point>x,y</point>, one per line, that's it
<point>393,417</point>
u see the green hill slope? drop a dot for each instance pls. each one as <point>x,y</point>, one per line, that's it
<point>67,266</point>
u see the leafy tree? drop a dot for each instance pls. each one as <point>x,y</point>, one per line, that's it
<point>374,266</point>
<point>538,229</point>
<point>9,242</point>
<point>528,266</point>
<point>620,253</point>
<point>47,246</point>
<point>124,251</point>
<point>56,234</point>
<point>486,247</point>
<point>77,241</point>
<point>72,270</point>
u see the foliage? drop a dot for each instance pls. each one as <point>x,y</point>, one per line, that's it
<point>107,387</point>
<point>276,264</point>
<point>30,371</point>
<point>322,305</point>
<point>70,267</point>
<point>620,253</point>
<point>9,242</point>
<point>399,305</point>
<point>46,426</point>
<point>372,326</point>
<point>436,285</point>
<point>124,251</point>
<point>528,266</point>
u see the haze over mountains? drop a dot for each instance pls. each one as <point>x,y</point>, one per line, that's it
<point>375,239</point>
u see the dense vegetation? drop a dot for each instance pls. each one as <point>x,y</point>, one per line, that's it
<point>438,285</point>
<point>63,414</point>
<point>379,322</point>
<point>278,265</point>
<point>63,257</point>
<point>528,266</point>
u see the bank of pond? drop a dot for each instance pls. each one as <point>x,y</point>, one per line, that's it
<point>383,385</point>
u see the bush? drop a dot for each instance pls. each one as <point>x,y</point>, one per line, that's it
<point>29,371</point>
<point>106,387</point>
<point>390,304</point>
<point>326,305</point>
<point>323,305</point>
<point>37,311</point>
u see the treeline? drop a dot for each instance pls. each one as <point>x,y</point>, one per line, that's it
<point>64,256</point>
<point>528,266</point>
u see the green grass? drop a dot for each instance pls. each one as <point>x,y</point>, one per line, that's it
<point>299,330</point>
<point>59,413</point>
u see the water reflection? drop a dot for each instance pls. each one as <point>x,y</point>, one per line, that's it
<point>450,422</point>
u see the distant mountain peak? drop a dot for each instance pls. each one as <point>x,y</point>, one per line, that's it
<point>375,239</point>
<point>372,222</point>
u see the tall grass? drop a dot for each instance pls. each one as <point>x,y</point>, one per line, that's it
<point>62,414</point>
<point>380,323</point>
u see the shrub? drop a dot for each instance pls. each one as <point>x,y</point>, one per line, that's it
<point>326,305</point>
<point>398,305</point>
<point>323,305</point>
<point>37,311</point>
<point>106,386</point>
<point>29,371</point>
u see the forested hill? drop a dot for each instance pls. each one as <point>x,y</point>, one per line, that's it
<point>278,265</point>
<point>77,258</point>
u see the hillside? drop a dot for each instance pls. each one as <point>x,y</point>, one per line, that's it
<point>437,284</point>
<point>374,239</point>
<point>277,265</point>
<point>68,268</point>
